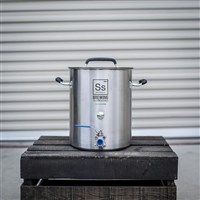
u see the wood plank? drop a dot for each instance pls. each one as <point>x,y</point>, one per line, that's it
<point>51,148</point>
<point>147,138</point>
<point>152,142</point>
<point>136,142</point>
<point>43,137</point>
<point>149,158</point>
<point>133,137</point>
<point>98,192</point>
<point>70,148</point>
<point>51,142</point>
<point>99,165</point>
<point>99,154</point>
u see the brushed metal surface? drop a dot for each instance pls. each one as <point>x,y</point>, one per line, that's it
<point>116,124</point>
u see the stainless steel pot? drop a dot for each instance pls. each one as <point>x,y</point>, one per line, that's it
<point>100,106</point>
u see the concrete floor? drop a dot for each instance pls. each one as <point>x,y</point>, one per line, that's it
<point>188,183</point>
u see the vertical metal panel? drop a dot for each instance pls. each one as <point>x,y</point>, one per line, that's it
<point>40,39</point>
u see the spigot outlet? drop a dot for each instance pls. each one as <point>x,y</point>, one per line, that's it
<point>100,141</point>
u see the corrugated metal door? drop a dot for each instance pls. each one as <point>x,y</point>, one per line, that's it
<point>42,38</point>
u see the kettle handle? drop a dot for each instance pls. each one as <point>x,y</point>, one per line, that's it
<point>60,80</point>
<point>140,83</point>
<point>101,59</point>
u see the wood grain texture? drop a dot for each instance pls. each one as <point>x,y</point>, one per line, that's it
<point>148,158</point>
<point>136,141</point>
<point>70,148</point>
<point>98,192</point>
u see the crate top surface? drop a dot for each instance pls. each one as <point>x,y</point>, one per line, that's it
<point>147,158</point>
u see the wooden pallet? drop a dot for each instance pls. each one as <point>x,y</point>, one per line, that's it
<point>52,169</point>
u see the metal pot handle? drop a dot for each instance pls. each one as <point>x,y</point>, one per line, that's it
<point>101,59</point>
<point>60,80</point>
<point>140,83</point>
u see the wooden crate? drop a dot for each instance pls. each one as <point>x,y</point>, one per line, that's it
<point>52,169</point>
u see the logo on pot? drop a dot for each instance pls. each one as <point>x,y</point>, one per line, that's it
<point>100,89</point>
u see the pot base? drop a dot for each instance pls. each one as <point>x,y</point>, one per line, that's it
<point>86,149</point>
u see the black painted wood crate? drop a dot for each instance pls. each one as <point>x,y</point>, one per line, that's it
<point>52,170</point>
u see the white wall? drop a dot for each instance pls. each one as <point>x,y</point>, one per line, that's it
<point>41,39</point>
